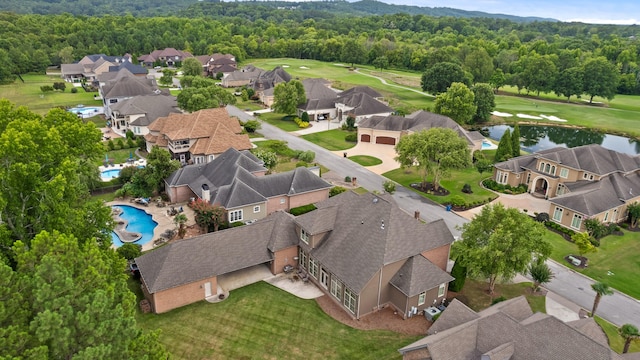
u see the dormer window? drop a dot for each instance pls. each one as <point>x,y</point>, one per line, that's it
<point>304,236</point>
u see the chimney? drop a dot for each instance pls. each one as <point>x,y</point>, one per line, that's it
<point>416,215</point>
<point>206,195</point>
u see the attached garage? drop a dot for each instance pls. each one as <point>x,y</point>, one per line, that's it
<point>385,140</point>
<point>365,138</point>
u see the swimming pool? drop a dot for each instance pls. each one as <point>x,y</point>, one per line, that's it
<point>109,174</point>
<point>488,145</point>
<point>86,111</point>
<point>139,221</point>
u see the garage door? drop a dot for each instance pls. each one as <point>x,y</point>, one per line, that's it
<point>385,140</point>
<point>365,138</point>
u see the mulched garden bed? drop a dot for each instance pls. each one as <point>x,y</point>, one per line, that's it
<point>583,261</point>
<point>428,188</point>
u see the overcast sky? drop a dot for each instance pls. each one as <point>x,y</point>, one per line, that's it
<point>590,11</point>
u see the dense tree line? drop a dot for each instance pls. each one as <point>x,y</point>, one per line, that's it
<point>531,56</point>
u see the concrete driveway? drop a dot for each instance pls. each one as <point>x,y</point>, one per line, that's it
<point>526,202</point>
<point>386,153</point>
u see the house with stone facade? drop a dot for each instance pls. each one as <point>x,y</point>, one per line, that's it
<point>363,251</point>
<point>198,137</point>
<point>587,181</point>
<point>138,112</point>
<point>167,56</point>
<point>90,66</point>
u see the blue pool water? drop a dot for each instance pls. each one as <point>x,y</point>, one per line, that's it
<point>111,173</point>
<point>86,111</point>
<point>487,145</point>
<point>139,221</point>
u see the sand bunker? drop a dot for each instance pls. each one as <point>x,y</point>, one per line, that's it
<point>304,67</point>
<point>501,114</point>
<point>285,66</point>
<point>553,118</point>
<point>525,116</point>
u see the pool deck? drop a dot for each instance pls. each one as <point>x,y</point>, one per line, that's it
<point>160,216</point>
<point>101,168</point>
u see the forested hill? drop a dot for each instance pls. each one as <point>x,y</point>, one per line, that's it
<point>171,7</point>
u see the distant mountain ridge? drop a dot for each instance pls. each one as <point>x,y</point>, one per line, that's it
<point>171,7</point>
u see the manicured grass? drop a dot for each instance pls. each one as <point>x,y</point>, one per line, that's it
<point>476,296</point>
<point>616,342</point>
<point>365,160</point>
<point>624,119</point>
<point>118,156</point>
<point>248,105</point>
<point>616,254</point>
<point>281,121</point>
<point>28,94</point>
<point>332,140</point>
<point>453,183</point>
<point>260,321</point>
<point>106,198</point>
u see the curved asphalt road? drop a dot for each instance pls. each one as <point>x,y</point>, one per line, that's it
<point>619,309</point>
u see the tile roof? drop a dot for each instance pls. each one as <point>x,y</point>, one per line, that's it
<point>593,197</point>
<point>418,274</point>
<point>216,253</point>
<point>213,129</point>
<point>505,332</point>
<point>359,244</point>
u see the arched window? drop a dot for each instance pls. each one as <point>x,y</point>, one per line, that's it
<point>547,168</point>
<point>541,166</point>
<point>553,170</point>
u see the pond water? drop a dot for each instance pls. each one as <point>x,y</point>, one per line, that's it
<point>539,137</point>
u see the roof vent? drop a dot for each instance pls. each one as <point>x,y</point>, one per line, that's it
<point>375,200</point>
<point>382,225</point>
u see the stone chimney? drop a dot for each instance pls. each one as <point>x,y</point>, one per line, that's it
<point>206,195</point>
<point>416,215</point>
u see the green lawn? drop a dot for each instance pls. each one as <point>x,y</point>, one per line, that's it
<point>260,321</point>
<point>622,119</point>
<point>616,254</point>
<point>474,294</point>
<point>279,120</point>
<point>365,160</point>
<point>331,139</point>
<point>616,342</point>
<point>453,183</point>
<point>118,156</point>
<point>28,94</point>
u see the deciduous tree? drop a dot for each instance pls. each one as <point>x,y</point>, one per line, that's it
<point>583,242</point>
<point>485,101</point>
<point>634,213</point>
<point>435,152</point>
<point>192,67</point>
<point>569,83</point>
<point>500,243</point>
<point>438,78</point>
<point>600,78</point>
<point>457,103</point>
<point>287,96</point>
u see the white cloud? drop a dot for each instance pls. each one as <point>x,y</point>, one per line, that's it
<point>605,21</point>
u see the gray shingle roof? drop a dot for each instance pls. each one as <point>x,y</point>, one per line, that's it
<point>216,253</point>
<point>455,314</point>
<point>593,197</point>
<point>317,89</point>
<point>358,245</point>
<point>153,106</point>
<point>128,86</point>
<point>133,68</point>
<point>496,331</point>
<point>426,120</point>
<point>363,104</point>
<point>417,275</point>
<point>361,89</point>
<point>592,158</point>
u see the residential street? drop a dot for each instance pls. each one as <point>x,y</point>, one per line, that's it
<point>618,309</point>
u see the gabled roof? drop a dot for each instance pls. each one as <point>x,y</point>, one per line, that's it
<point>240,75</point>
<point>186,261</point>
<point>417,275</point>
<point>504,332</point>
<point>593,158</point>
<point>153,106</point>
<point>363,104</point>
<point>593,197</point>
<point>133,68</point>
<point>455,314</point>
<point>214,130</point>
<point>426,120</point>
<point>72,69</point>
<point>316,89</point>
<point>359,245</point>
<point>129,86</point>
<point>271,78</point>
<point>361,89</point>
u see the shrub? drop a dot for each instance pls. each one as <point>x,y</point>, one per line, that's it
<point>457,200</point>
<point>306,156</point>
<point>302,209</point>
<point>46,88</point>
<point>251,126</point>
<point>130,143</point>
<point>498,299</point>
<point>130,251</point>
<point>347,179</point>
<point>111,145</point>
<point>389,186</point>
<point>466,188</point>
<point>542,217</point>
<point>350,123</point>
<point>336,190</point>
<point>141,143</point>
<point>351,137</point>
<point>459,272</point>
<point>302,164</point>
<point>129,134</point>
<point>301,124</point>
<point>597,229</point>
<point>120,143</point>
<point>435,317</point>
<point>74,90</point>
<point>305,116</point>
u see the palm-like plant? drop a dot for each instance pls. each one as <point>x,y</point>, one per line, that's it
<point>601,289</point>
<point>629,333</point>
<point>540,273</point>
<point>180,220</point>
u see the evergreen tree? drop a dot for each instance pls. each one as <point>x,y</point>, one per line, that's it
<point>515,141</point>
<point>504,151</point>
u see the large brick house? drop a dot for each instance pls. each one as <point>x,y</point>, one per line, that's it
<point>363,251</point>
<point>588,181</point>
<point>236,181</point>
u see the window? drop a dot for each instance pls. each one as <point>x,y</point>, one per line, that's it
<point>553,170</point>
<point>235,215</point>
<point>256,209</point>
<point>557,214</point>
<point>564,173</point>
<point>211,157</point>
<point>547,168</point>
<point>577,221</point>
<point>614,217</point>
<point>313,268</point>
<point>336,289</point>
<point>606,217</point>
<point>350,300</point>
<point>136,129</point>
<point>587,176</point>
<point>501,177</point>
<point>282,201</point>
<point>541,167</point>
<point>422,298</point>
<point>324,278</point>
<point>528,178</point>
<point>303,259</point>
<point>441,290</point>
<point>560,190</point>
<point>199,159</point>
<point>304,236</point>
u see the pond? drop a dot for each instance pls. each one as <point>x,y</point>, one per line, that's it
<point>539,137</point>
